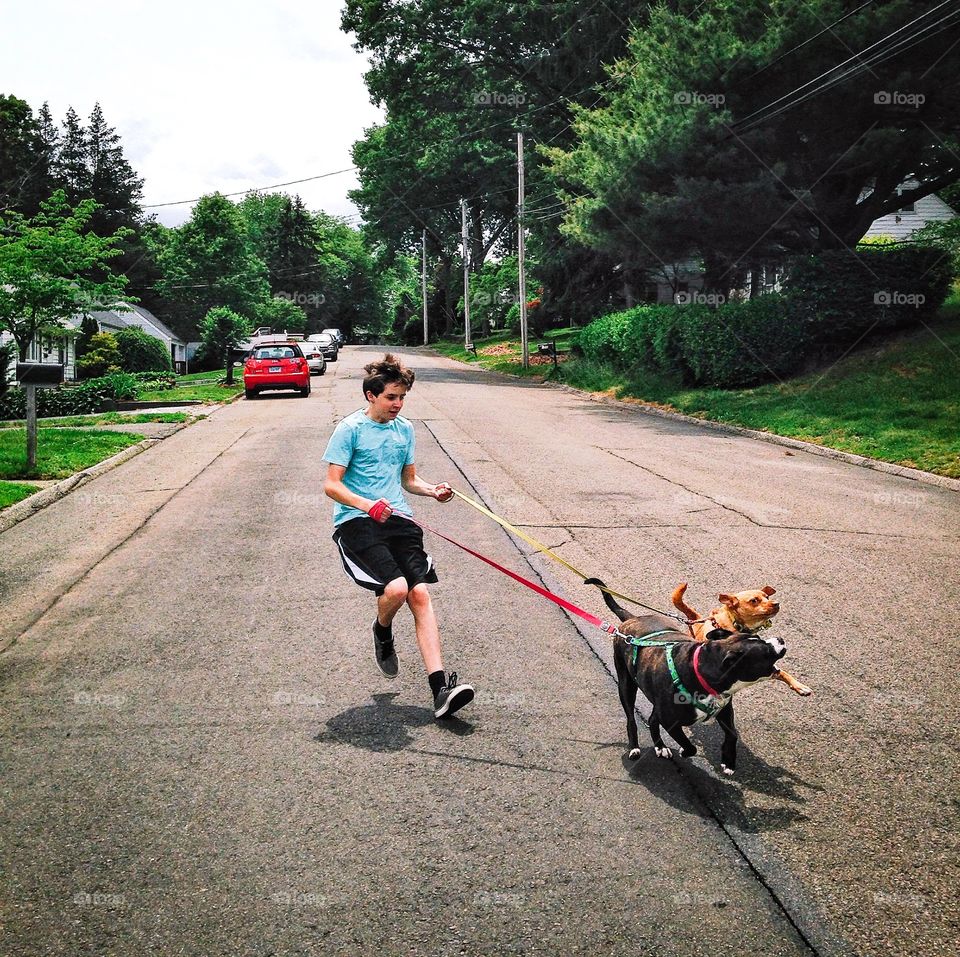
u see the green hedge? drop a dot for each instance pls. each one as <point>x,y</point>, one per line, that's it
<point>843,295</point>
<point>141,352</point>
<point>94,395</point>
<point>831,299</point>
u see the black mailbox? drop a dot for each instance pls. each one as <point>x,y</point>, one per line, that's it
<point>39,373</point>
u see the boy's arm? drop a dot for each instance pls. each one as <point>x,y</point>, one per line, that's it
<point>415,485</point>
<point>335,489</point>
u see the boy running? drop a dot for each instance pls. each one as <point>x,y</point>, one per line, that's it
<point>370,461</point>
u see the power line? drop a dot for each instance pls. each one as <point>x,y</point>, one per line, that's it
<point>886,51</point>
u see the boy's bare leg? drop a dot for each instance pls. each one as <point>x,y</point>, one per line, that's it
<point>391,601</point>
<point>428,633</point>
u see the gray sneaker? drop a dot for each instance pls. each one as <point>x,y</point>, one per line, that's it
<point>452,697</point>
<point>386,656</point>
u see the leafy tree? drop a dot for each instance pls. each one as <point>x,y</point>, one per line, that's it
<point>683,146</point>
<point>141,352</point>
<point>208,262</point>
<point>280,313</point>
<point>44,265</point>
<point>102,357</point>
<point>221,331</point>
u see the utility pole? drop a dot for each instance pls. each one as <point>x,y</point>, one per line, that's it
<point>520,255</point>
<point>423,286</point>
<point>466,277</point>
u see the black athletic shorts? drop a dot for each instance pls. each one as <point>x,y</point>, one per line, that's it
<point>375,553</point>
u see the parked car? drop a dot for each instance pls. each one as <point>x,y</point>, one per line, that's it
<point>336,333</point>
<point>328,345</point>
<point>314,356</point>
<point>276,366</point>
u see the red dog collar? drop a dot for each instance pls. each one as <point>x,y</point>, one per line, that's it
<point>700,678</point>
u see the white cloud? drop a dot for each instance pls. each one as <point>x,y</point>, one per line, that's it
<point>214,96</point>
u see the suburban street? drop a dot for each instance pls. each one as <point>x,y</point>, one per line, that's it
<point>200,757</point>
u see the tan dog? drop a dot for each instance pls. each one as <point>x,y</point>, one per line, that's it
<point>745,612</point>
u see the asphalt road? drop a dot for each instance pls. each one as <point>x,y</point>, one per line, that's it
<point>199,756</point>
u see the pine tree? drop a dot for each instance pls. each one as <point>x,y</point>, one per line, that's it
<point>72,169</point>
<point>24,171</point>
<point>113,183</point>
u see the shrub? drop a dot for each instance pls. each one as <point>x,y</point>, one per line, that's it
<point>95,395</point>
<point>740,343</point>
<point>103,356</point>
<point>141,352</point>
<point>841,296</point>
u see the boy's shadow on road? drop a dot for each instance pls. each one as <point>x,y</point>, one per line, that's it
<point>385,726</point>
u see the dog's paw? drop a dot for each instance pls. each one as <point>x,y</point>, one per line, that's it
<point>803,691</point>
<point>689,752</point>
<point>635,753</point>
<point>663,752</point>
<point>727,771</point>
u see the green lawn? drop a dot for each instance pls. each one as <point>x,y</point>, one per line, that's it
<point>191,393</point>
<point>502,352</point>
<point>106,418</point>
<point>13,492</point>
<point>60,452</point>
<point>897,401</point>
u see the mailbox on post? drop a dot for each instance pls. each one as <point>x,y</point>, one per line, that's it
<point>32,375</point>
<point>548,349</point>
<point>39,373</point>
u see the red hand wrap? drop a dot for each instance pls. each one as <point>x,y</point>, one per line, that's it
<point>376,510</point>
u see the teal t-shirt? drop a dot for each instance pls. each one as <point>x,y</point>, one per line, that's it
<point>374,454</point>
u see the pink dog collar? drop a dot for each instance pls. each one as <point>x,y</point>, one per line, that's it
<point>700,678</point>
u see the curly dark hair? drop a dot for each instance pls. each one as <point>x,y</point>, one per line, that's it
<point>380,374</point>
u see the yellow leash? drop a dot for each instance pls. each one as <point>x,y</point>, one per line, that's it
<point>540,547</point>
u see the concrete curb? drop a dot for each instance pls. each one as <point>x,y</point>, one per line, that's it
<point>916,475</point>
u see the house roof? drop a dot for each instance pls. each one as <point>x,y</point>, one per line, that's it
<point>153,320</point>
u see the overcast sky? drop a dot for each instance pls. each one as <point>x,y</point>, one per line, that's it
<point>206,95</point>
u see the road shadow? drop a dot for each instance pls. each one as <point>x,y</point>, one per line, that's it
<point>384,726</point>
<point>760,797</point>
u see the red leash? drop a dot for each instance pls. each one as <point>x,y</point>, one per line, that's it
<point>533,586</point>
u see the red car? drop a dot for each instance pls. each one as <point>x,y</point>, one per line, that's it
<point>276,366</point>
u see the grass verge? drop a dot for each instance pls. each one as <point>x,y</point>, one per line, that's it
<point>60,452</point>
<point>13,492</point>
<point>195,393</point>
<point>105,418</point>
<point>896,401</point>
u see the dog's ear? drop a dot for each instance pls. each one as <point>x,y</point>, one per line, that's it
<point>730,601</point>
<point>768,590</point>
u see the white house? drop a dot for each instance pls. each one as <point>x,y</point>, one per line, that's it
<point>61,349</point>
<point>911,216</point>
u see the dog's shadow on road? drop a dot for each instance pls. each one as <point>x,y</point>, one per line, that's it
<point>760,797</point>
<point>384,725</point>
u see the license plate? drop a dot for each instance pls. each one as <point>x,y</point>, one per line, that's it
<point>274,369</point>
